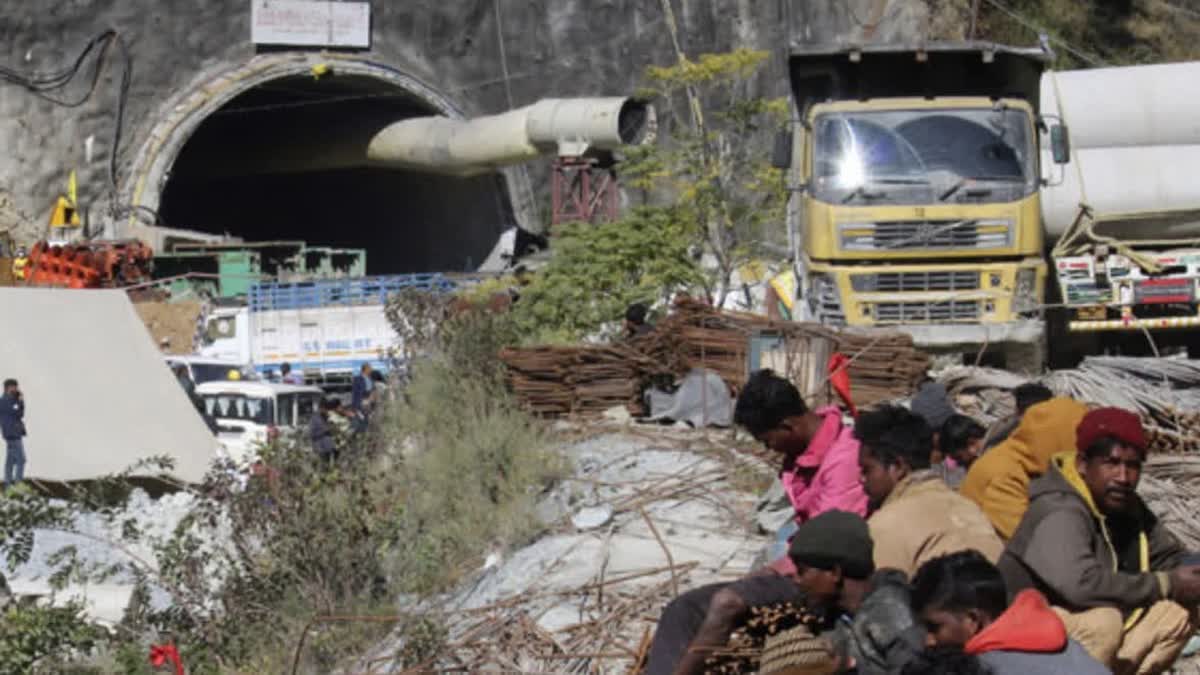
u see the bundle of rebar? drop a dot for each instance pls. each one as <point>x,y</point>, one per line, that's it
<point>581,379</point>
<point>588,379</point>
<point>884,365</point>
<point>1165,393</point>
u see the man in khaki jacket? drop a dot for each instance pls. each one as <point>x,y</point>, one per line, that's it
<point>916,517</point>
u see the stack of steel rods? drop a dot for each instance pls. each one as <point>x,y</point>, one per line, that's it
<point>588,379</point>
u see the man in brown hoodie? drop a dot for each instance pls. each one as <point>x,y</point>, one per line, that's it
<point>1109,567</point>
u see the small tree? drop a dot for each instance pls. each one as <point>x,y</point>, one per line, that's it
<point>599,270</point>
<point>714,173</point>
<point>704,187</point>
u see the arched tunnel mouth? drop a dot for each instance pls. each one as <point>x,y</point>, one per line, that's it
<point>286,161</point>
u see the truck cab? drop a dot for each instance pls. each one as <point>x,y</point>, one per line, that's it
<point>916,174</point>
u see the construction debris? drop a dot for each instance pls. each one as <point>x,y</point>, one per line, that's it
<point>587,601</point>
<point>589,379</point>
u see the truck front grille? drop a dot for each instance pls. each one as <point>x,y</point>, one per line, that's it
<point>926,312</point>
<point>915,235</point>
<point>895,282</point>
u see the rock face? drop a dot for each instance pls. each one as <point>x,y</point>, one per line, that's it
<point>483,56</point>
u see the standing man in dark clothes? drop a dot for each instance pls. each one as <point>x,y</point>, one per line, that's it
<point>360,392</point>
<point>12,424</point>
<point>320,431</point>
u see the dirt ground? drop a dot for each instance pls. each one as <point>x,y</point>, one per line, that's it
<point>171,321</point>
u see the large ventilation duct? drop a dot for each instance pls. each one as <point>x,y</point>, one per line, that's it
<point>562,126</point>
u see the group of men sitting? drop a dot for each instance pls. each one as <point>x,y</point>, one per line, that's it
<point>1044,560</point>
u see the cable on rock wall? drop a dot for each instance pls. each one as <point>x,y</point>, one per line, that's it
<point>49,86</point>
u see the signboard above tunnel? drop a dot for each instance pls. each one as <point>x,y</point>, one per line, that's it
<point>310,24</point>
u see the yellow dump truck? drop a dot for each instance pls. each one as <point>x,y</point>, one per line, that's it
<point>915,178</point>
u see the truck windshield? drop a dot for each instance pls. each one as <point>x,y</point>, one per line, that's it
<point>923,156</point>
<point>211,372</point>
<point>240,407</point>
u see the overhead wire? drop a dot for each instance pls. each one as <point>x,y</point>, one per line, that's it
<point>1077,52</point>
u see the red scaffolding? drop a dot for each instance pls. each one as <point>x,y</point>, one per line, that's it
<point>584,190</point>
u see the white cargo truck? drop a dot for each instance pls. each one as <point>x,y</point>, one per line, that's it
<point>324,329</point>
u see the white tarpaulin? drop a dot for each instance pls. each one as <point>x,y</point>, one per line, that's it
<point>98,394</point>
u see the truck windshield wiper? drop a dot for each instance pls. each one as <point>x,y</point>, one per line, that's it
<point>977,192</point>
<point>861,190</point>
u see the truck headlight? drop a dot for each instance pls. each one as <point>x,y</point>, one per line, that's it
<point>1025,293</point>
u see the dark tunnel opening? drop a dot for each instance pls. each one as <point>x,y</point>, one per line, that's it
<point>286,160</point>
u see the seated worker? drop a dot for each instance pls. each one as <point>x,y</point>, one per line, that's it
<point>916,516</point>
<point>999,480</point>
<point>819,471</point>
<point>1025,396</point>
<point>835,579</point>
<point>1109,567</point>
<point>932,404</point>
<point>961,442</point>
<point>962,601</point>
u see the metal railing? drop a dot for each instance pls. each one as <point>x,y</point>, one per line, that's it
<point>333,292</point>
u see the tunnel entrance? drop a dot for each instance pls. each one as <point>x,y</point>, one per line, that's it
<point>286,160</point>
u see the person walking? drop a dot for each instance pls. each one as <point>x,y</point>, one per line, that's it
<point>12,424</point>
<point>320,432</point>
<point>360,393</point>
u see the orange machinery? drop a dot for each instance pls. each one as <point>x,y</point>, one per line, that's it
<point>89,264</point>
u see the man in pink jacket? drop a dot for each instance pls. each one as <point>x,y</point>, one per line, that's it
<point>819,470</point>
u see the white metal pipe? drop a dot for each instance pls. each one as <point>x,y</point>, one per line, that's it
<point>468,147</point>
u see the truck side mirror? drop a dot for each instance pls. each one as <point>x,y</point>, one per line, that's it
<point>781,154</point>
<point>1060,144</point>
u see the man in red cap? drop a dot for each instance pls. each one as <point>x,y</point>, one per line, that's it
<point>1111,570</point>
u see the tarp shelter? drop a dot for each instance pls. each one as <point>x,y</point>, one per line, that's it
<point>99,396</point>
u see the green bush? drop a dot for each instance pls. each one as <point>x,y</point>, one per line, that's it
<point>450,469</point>
<point>599,270</point>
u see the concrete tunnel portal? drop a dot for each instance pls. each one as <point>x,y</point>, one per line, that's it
<point>286,159</point>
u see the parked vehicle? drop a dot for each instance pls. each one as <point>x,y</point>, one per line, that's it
<point>930,181</point>
<point>249,414</point>
<point>325,329</point>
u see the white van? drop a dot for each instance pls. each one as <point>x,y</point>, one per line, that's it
<point>250,413</point>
